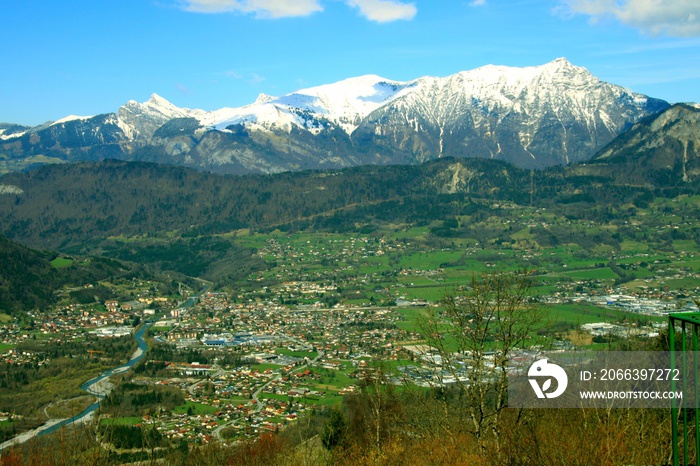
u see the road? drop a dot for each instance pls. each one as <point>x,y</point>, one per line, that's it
<point>193,387</point>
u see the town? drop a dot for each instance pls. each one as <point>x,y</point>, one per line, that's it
<point>329,310</point>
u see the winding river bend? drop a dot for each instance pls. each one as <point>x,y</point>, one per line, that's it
<point>100,387</point>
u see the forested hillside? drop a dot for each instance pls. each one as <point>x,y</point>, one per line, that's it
<point>65,206</point>
<point>29,278</point>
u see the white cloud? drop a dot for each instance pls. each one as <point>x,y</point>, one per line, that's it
<point>252,78</point>
<point>233,74</point>
<point>256,79</point>
<point>477,3</point>
<point>383,11</point>
<point>260,8</point>
<point>679,18</point>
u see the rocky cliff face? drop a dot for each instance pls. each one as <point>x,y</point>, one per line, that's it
<point>663,149</point>
<point>532,117</point>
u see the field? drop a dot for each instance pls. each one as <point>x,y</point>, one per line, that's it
<point>585,314</point>
<point>196,408</point>
<point>4,347</point>
<point>61,262</point>
<point>265,366</point>
<point>236,400</point>
<point>604,273</point>
<point>327,400</point>
<point>410,263</point>
<point>297,354</point>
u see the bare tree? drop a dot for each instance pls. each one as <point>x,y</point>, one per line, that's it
<point>471,342</point>
<point>373,414</point>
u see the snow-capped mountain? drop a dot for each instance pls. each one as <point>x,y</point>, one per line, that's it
<point>139,121</point>
<point>344,103</point>
<point>536,116</point>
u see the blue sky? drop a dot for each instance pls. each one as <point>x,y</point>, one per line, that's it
<point>86,57</point>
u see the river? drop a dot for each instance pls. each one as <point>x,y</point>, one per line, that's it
<point>100,387</point>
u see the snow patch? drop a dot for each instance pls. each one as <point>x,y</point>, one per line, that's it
<point>10,189</point>
<point>68,118</point>
<point>5,137</point>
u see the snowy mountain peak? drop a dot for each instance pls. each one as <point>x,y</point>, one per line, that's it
<point>141,120</point>
<point>264,98</point>
<point>515,76</point>
<point>348,102</point>
<point>368,88</point>
<point>562,66</point>
<point>157,101</point>
<point>560,62</point>
<point>162,105</point>
<point>344,103</point>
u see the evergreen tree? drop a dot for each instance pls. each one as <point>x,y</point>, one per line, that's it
<point>334,431</point>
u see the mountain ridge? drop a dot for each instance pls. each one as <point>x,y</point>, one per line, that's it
<point>68,206</point>
<point>667,144</point>
<point>533,117</point>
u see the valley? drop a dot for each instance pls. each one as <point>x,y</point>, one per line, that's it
<point>350,233</point>
<point>279,308</point>
<point>317,309</point>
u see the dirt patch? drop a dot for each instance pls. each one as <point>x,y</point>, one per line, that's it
<point>580,338</point>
